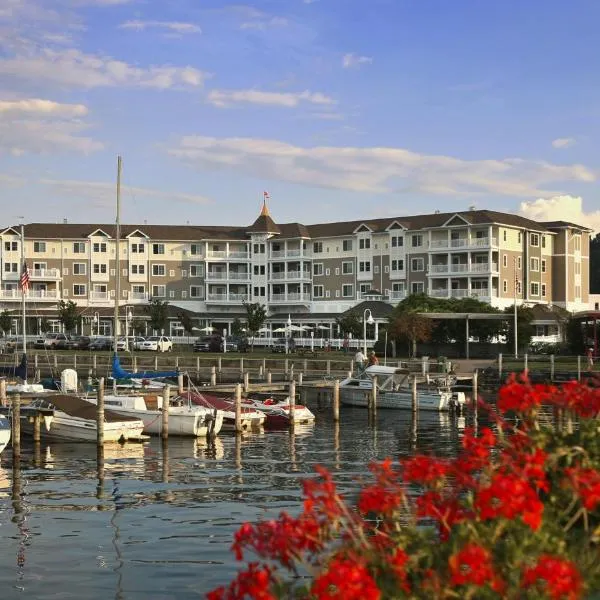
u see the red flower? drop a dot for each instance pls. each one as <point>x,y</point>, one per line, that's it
<point>376,499</point>
<point>254,583</point>
<point>558,576</point>
<point>586,483</point>
<point>398,562</point>
<point>473,566</point>
<point>345,579</point>
<point>445,511</point>
<point>425,470</point>
<point>522,397</point>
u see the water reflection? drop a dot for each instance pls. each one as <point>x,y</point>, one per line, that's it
<point>145,521</point>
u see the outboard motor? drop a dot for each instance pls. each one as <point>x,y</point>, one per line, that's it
<point>68,381</point>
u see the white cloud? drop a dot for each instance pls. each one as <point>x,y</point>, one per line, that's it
<point>261,24</point>
<point>561,208</point>
<point>225,98</point>
<point>352,60</point>
<point>174,26</point>
<point>35,126</point>
<point>104,193</point>
<point>35,106</point>
<point>378,170</point>
<point>564,142</point>
<point>73,68</point>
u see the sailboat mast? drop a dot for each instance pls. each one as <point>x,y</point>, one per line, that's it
<point>118,256</point>
<point>23,291</point>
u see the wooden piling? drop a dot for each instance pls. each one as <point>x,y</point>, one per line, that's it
<point>269,376</point>
<point>37,428</point>
<point>75,361</point>
<point>328,367</point>
<point>238,408</point>
<point>180,389</point>
<point>551,367</point>
<point>246,381</point>
<point>261,372</point>
<point>165,412</point>
<point>219,364</point>
<point>500,367</point>
<point>16,425</point>
<point>94,363</point>
<point>197,366</point>
<point>135,367</point>
<point>286,366</point>
<point>292,396</point>
<point>35,361</point>
<point>37,376</point>
<point>213,375</point>
<point>263,366</point>
<point>336,400</point>
<point>3,392</point>
<point>525,362</point>
<point>351,367</point>
<point>415,397</point>
<point>578,368</point>
<point>100,413</point>
<point>300,378</point>
<point>241,367</point>
<point>305,366</point>
<point>475,397</point>
<point>177,362</point>
<point>55,361</point>
<point>292,371</point>
<point>374,395</point>
<point>156,363</point>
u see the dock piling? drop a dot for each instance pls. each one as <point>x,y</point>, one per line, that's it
<point>219,364</point>
<point>100,414</point>
<point>269,376</point>
<point>336,400</point>
<point>500,367</point>
<point>415,397</point>
<point>292,396</point>
<point>374,395</point>
<point>300,378</point>
<point>180,388</point>
<point>246,381</point>
<point>165,412</point>
<point>475,397</point>
<point>16,425</point>
<point>551,367</point>
<point>238,408</point>
<point>37,428</point>
<point>213,375</point>
<point>525,362</point>
<point>3,392</point>
<point>578,368</point>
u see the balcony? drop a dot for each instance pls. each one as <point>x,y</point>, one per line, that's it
<point>31,294</point>
<point>463,243</point>
<point>290,298</point>
<point>459,293</point>
<point>438,269</point>
<point>288,254</point>
<point>439,293</point>
<point>238,254</point>
<point>138,296</point>
<point>216,254</point>
<point>439,244</point>
<point>99,296</point>
<point>239,275</point>
<point>216,275</point>
<point>483,242</point>
<point>397,296</point>
<point>237,298</point>
<point>483,267</point>
<point>459,243</point>
<point>44,274</point>
<point>459,268</point>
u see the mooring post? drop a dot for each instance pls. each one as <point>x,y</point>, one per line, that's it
<point>305,366</point>
<point>475,396</point>
<point>16,425</point>
<point>374,395</point>
<point>35,361</point>
<point>156,363</point>
<point>37,427</point>
<point>177,362</point>
<point>55,361</point>
<point>525,362</point>
<point>292,371</point>
<point>213,375</point>
<point>135,367</point>
<point>300,378</point>
<point>500,367</point>
<point>94,365</point>
<point>328,367</point>
<point>238,408</point>
<point>351,367</point>
<point>286,366</point>
<point>578,368</point>
<point>269,376</point>
<point>292,397</point>
<point>197,366</point>
<point>241,367</point>
<point>75,361</point>
<point>165,412</point>
<point>264,367</point>
<point>180,389</point>
<point>552,367</point>
<point>219,364</point>
<point>336,400</point>
<point>261,372</point>
<point>246,381</point>
<point>3,392</point>
<point>415,398</point>
<point>100,413</point>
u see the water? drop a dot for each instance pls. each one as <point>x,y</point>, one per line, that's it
<point>160,525</point>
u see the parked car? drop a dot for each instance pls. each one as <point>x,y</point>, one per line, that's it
<point>51,341</point>
<point>237,344</point>
<point>122,344</point>
<point>209,343</point>
<point>67,343</point>
<point>136,343</point>
<point>80,342</point>
<point>10,345</point>
<point>157,343</point>
<point>101,343</point>
<point>278,345</point>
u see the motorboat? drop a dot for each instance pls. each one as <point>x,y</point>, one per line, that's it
<point>394,391</point>
<point>74,420</point>
<point>278,412</point>
<point>4,432</point>
<point>251,418</point>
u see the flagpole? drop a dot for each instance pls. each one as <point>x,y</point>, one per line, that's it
<point>23,290</point>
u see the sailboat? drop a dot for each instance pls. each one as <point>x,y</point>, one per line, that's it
<point>184,419</point>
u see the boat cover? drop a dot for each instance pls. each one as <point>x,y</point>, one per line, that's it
<point>119,373</point>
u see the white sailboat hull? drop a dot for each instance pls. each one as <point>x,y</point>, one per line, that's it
<point>4,432</point>
<point>353,395</point>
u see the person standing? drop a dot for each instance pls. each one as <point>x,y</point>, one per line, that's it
<point>346,344</point>
<point>359,360</point>
<point>590,358</point>
<point>373,360</point>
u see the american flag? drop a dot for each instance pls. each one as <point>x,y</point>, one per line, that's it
<point>24,279</point>
<point>266,196</point>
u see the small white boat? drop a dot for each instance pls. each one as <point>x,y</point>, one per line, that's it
<point>74,420</point>
<point>4,432</point>
<point>393,390</point>
<point>278,412</point>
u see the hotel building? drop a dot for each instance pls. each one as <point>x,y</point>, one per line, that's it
<point>311,272</point>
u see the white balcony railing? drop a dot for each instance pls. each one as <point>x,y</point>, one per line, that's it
<point>237,297</point>
<point>439,293</point>
<point>138,296</point>
<point>294,253</point>
<point>439,268</point>
<point>278,275</point>
<point>37,294</point>
<point>459,243</point>
<point>226,297</point>
<point>459,268</point>
<point>277,253</point>
<point>44,273</point>
<point>480,294</point>
<point>483,267</point>
<point>216,297</point>
<point>397,295</point>
<point>290,297</point>
<point>459,293</point>
<point>288,254</point>
<point>219,275</point>
<point>239,276</point>
<point>216,254</point>
<point>99,295</point>
<point>238,254</point>
<point>439,244</point>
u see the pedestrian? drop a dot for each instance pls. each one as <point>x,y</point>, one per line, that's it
<point>346,344</point>
<point>373,360</point>
<point>590,357</point>
<point>359,360</point>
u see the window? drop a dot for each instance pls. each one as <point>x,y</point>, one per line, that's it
<point>318,247</point>
<point>504,235</point>
<point>327,272</point>
<point>505,286</point>
<point>518,286</point>
<point>417,287</point>
<point>504,261</point>
<point>159,291</point>
<point>347,268</point>
<point>386,269</point>
<point>259,269</point>
<point>518,262</point>
<point>398,265</point>
<point>11,267</point>
<point>78,247</point>
<point>79,289</point>
<point>137,248</point>
<point>138,269</point>
<point>196,291</point>
<point>577,240</point>
<point>417,241</point>
<point>577,291</point>
<point>317,268</point>
<point>158,270</point>
<point>100,247</point>
<point>519,237</point>
<point>417,264</point>
<point>535,264</point>
<point>534,239</point>
<point>11,246</point>
<point>39,246</point>
<point>364,243</point>
<point>543,266</point>
<point>535,288</point>
<point>100,269</point>
<point>364,266</point>
<point>158,248</point>
<point>397,241</point>
<point>543,241</point>
<point>543,290</point>
<point>79,268</point>
<point>196,271</point>
<point>364,288</point>
<point>337,271</point>
<point>347,245</point>
<point>317,291</point>
<point>196,249</point>
<point>138,290</point>
<point>375,269</point>
<point>348,290</point>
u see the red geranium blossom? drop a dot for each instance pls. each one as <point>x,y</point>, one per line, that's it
<point>425,470</point>
<point>473,566</point>
<point>587,485</point>
<point>558,576</point>
<point>345,579</point>
<point>253,583</point>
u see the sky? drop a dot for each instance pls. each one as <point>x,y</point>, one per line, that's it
<point>339,109</point>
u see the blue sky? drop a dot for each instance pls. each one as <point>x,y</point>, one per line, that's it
<point>341,109</point>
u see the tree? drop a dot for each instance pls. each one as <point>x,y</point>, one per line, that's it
<point>68,315</point>
<point>44,325</point>
<point>576,337</point>
<point>256,314</point>
<point>5,322</point>
<point>411,327</point>
<point>595,265</point>
<point>237,327</point>
<point>525,329</point>
<point>186,322</point>
<point>138,326</point>
<point>351,323</point>
<point>157,310</point>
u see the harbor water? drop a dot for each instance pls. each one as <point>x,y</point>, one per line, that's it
<point>158,522</point>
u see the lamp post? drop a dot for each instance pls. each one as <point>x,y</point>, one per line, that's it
<point>128,319</point>
<point>370,320</point>
<point>287,326</point>
<point>97,322</point>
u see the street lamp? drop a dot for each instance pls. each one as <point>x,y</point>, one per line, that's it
<point>128,319</point>
<point>287,326</point>
<point>97,322</point>
<point>366,320</point>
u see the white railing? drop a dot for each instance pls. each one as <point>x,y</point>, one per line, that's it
<point>397,295</point>
<point>278,275</point>
<point>138,296</point>
<point>439,293</point>
<point>294,253</point>
<point>277,253</point>
<point>237,297</point>
<point>483,242</point>
<point>294,274</point>
<point>216,297</point>
<point>44,273</point>
<point>99,295</point>
<point>239,276</point>
<point>216,254</point>
<point>439,268</point>
<point>238,254</point>
<point>216,275</point>
<point>439,244</point>
<point>290,297</point>
<point>38,294</point>
<point>460,293</point>
<point>480,294</point>
<point>459,243</point>
<point>460,268</point>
